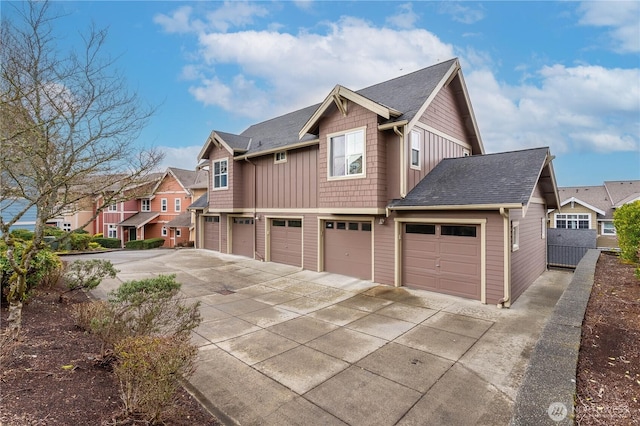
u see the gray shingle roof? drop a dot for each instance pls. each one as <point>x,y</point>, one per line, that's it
<point>183,220</point>
<point>139,219</point>
<point>622,191</point>
<point>406,94</point>
<point>185,177</point>
<point>201,203</point>
<point>492,179</point>
<point>604,197</point>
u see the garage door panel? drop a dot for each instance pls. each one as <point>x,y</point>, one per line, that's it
<point>348,251</point>
<point>242,236</point>
<point>286,242</point>
<point>211,237</point>
<point>447,263</point>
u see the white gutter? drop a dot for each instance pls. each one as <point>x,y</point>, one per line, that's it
<point>504,302</point>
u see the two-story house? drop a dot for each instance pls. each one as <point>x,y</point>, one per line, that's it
<point>592,207</point>
<point>389,183</point>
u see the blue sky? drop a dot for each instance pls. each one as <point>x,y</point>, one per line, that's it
<point>559,74</point>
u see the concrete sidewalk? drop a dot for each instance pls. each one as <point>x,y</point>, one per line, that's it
<point>281,346</point>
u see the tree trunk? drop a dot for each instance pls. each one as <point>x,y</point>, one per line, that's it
<point>14,321</point>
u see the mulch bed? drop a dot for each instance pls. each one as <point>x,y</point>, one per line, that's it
<point>608,376</point>
<point>53,376</point>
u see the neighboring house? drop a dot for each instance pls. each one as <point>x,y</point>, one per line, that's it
<point>389,183</point>
<point>129,203</point>
<point>11,207</point>
<point>592,207</point>
<point>162,211</point>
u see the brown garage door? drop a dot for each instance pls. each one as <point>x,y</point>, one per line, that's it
<point>286,241</point>
<point>347,248</point>
<point>242,236</point>
<point>443,258</point>
<point>211,233</point>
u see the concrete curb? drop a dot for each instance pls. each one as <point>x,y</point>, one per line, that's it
<point>548,389</point>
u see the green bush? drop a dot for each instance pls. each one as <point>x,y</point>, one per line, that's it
<point>140,308</point>
<point>53,231</point>
<point>626,220</point>
<point>88,273</point>
<point>107,242</point>
<point>44,264</point>
<point>151,243</point>
<point>22,234</point>
<point>79,231</point>
<point>79,241</point>
<point>149,369</point>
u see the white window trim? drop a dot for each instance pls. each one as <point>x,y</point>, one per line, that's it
<point>178,232</point>
<point>563,216</point>
<point>515,235</point>
<point>283,157</point>
<point>213,178</point>
<point>164,205</point>
<point>164,231</point>
<point>364,154</point>
<point>415,138</point>
<point>177,205</point>
<point>113,228</point>
<point>113,207</point>
<point>142,205</point>
<point>608,233</point>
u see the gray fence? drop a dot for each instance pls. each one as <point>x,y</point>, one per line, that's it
<point>565,247</point>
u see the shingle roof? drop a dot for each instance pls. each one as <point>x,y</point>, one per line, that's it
<point>622,191</point>
<point>406,94</point>
<point>492,179</point>
<point>139,219</point>
<point>201,203</point>
<point>201,180</point>
<point>183,220</point>
<point>409,92</point>
<point>185,177</point>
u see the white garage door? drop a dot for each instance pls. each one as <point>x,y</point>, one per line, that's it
<point>443,258</point>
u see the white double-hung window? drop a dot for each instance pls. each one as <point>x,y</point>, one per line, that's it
<point>220,174</point>
<point>346,154</point>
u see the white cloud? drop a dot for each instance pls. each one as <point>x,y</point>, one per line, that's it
<point>184,157</point>
<point>462,12</point>
<point>302,68</point>
<point>229,15</point>
<point>623,17</point>
<point>405,18</point>
<point>582,108</point>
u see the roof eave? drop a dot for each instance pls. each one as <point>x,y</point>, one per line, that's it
<point>460,207</point>
<point>279,149</point>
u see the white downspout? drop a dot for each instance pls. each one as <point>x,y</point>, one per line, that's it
<point>403,170</point>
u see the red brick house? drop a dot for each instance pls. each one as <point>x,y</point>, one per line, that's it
<point>389,183</point>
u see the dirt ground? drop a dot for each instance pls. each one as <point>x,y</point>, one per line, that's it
<point>52,377</point>
<point>608,379</point>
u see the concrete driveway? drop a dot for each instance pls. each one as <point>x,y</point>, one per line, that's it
<point>281,346</point>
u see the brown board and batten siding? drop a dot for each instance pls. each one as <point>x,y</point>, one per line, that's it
<point>384,250</point>
<point>444,114</point>
<point>529,261</point>
<point>357,191</point>
<point>433,150</point>
<point>292,184</point>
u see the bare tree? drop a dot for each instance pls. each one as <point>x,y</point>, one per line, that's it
<point>68,128</point>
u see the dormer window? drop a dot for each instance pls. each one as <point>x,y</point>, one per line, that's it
<point>280,157</point>
<point>146,205</point>
<point>346,154</point>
